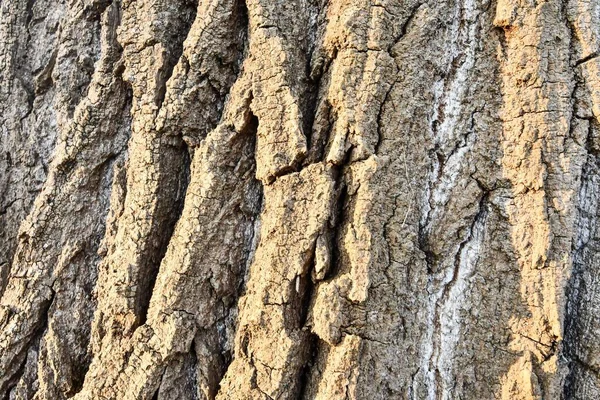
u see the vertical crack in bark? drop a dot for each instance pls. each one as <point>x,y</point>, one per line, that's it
<point>179,197</point>
<point>36,335</point>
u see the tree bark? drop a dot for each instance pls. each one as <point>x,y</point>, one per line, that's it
<point>300,199</point>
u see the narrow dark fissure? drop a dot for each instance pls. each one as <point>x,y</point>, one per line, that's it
<point>187,15</point>
<point>17,376</point>
<point>250,130</point>
<point>406,24</point>
<point>312,349</point>
<point>95,10</point>
<point>168,219</point>
<point>155,395</point>
<point>243,23</point>
<point>84,61</point>
<point>42,326</point>
<point>23,71</point>
<point>479,218</point>
<point>423,244</point>
<point>310,101</point>
<point>334,234</point>
<point>252,212</point>
<point>311,342</point>
<point>193,373</point>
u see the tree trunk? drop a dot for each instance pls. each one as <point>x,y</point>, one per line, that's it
<point>299,199</point>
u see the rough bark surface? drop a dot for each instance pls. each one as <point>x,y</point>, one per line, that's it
<point>300,199</point>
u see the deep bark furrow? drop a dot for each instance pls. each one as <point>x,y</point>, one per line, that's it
<point>201,61</point>
<point>156,169</point>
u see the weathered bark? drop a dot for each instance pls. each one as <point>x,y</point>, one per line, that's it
<point>300,199</point>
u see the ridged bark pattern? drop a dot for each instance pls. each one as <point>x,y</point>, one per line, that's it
<point>299,199</point>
